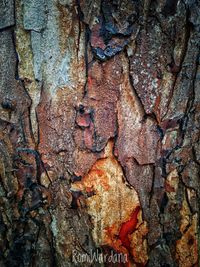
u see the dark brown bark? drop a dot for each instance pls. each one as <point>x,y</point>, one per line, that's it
<point>99,132</point>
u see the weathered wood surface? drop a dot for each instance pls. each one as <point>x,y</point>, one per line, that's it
<point>99,131</point>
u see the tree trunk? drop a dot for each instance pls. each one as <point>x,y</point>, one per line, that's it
<point>99,132</point>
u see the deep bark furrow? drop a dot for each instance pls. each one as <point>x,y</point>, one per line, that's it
<point>99,132</point>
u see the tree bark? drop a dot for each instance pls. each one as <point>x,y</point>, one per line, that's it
<point>99,132</point>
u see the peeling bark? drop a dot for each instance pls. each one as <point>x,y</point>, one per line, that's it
<point>99,132</point>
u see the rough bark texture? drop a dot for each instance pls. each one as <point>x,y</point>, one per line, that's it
<point>99,131</point>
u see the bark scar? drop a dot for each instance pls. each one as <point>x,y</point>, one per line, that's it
<point>127,228</point>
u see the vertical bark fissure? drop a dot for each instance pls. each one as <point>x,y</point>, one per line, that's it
<point>110,160</point>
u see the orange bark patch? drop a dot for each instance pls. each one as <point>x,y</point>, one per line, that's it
<point>187,247</point>
<point>128,227</point>
<point>114,208</point>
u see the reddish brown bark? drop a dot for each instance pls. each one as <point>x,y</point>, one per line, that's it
<point>99,132</point>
